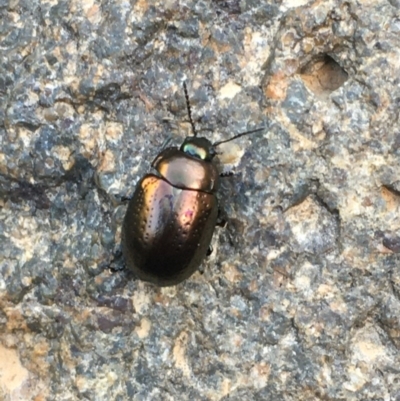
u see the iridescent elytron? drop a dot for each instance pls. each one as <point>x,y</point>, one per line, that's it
<point>171,217</point>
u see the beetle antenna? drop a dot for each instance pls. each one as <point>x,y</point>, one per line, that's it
<point>189,110</point>
<point>238,136</point>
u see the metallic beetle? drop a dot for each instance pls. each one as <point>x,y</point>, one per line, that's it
<point>171,217</point>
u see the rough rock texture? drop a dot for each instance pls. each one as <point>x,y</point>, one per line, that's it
<point>301,298</point>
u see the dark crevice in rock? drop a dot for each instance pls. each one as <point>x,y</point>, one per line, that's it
<point>323,75</point>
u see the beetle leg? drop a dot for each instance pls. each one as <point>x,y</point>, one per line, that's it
<point>227,174</point>
<point>116,264</point>
<point>221,218</point>
<point>125,198</point>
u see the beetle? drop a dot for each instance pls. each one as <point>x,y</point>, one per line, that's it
<point>170,219</point>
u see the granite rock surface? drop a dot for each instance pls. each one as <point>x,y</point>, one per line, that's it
<point>300,299</point>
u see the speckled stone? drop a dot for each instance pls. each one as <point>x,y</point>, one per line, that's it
<point>300,299</point>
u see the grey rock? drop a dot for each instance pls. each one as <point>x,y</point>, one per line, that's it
<point>300,298</point>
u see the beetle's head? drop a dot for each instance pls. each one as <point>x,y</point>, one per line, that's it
<point>201,148</point>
